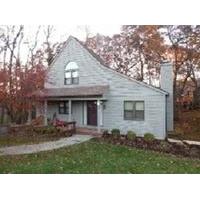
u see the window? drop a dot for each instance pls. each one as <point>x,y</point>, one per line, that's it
<point>71,74</point>
<point>63,107</point>
<point>134,110</point>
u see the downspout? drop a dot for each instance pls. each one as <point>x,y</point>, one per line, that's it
<point>166,133</point>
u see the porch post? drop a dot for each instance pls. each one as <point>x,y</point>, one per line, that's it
<point>70,111</point>
<point>85,113</point>
<point>38,109</point>
<point>45,112</point>
<point>99,116</point>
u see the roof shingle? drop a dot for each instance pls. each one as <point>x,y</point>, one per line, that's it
<point>97,90</point>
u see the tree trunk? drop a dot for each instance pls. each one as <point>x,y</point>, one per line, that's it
<point>176,108</point>
<point>196,90</point>
<point>2,115</point>
<point>196,95</point>
<point>141,67</point>
<point>176,68</point>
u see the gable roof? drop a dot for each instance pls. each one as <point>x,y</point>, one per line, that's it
<point>102,63</point>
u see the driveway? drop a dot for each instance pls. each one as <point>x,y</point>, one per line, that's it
<point>46,146</point>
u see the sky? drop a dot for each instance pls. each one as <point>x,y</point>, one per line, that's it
<point>60,33</point>
<point>63,31</point>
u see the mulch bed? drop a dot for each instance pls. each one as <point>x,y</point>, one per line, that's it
<point>186,150</point>
<point>39,131</point>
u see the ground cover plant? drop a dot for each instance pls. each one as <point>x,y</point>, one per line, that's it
<point>97,156</point>
<point>31,135</point>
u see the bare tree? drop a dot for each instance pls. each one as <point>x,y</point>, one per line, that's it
<point>48,31</point>
<point>32,48</point>
<point>11,42</point>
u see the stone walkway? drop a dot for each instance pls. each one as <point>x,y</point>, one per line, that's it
<point>184,141</point>
<point>45,146</point>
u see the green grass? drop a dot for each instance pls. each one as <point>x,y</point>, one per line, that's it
<point>98,157</point>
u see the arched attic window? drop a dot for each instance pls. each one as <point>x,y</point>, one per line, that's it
<point>71,73</point>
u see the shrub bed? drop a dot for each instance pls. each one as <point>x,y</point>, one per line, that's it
<point>105,133</point>
<point>115,133</point>
<point>131,135</point>
<point>150,143</point>
<point>149,137</point>
<point>41,131</point>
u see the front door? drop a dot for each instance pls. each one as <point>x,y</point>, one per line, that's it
<point>92,113</point>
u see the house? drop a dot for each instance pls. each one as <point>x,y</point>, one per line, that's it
<point>79,87</point>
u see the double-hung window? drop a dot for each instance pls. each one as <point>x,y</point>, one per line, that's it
<point>134,110</point>
<point>71,74</point>
<point>63,107</point>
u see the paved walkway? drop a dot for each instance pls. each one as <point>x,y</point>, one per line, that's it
<point>45,146</point>
<point>184,141</point>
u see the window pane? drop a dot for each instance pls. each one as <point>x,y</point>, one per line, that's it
<point>71,65</point>
<point>67,74</point>
<point>61,104</point>
<point>128,106</point>
<point>66,110</point>
<point>61,110</point>
<point>67,81</point>
<point>139,106</point>
<point>128,114</point>
<point>75,80</point>
<point>66,104</point>
<point>75,74</point>
<point>139,114</point>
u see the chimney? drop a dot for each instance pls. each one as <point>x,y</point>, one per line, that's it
<point>166,83</point>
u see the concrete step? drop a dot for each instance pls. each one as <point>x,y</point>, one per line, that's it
<point>88,131</point>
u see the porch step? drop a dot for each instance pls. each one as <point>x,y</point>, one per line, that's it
<point>88,131</point>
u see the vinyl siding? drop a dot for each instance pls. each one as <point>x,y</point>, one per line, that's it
<point>91,72</point>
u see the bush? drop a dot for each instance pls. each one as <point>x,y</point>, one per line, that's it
<point>131,135</point>
<point>105,133</point>
<point>29,129</point>
<point>148,137</point>
<point>46,130</point>
<point>115,133</point>
<point>165,145</point>
<point>52,130</point>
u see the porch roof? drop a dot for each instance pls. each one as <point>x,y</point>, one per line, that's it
<point>88,91</point>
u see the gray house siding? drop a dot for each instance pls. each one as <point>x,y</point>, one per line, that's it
<point>91,72</point>
<point>77,112</point>
<point>154,116</point>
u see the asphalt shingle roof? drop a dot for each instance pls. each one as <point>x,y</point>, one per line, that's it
<point>97,90</point>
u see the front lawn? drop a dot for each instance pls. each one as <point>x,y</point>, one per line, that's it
<point>98,157</point>
<point>12,140</point>
<point>32,135</point>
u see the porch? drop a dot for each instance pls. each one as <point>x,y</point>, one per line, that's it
<point>86,113</point>
<point>84,105</point>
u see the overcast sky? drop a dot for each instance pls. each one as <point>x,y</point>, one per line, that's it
<point>62,32</point>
